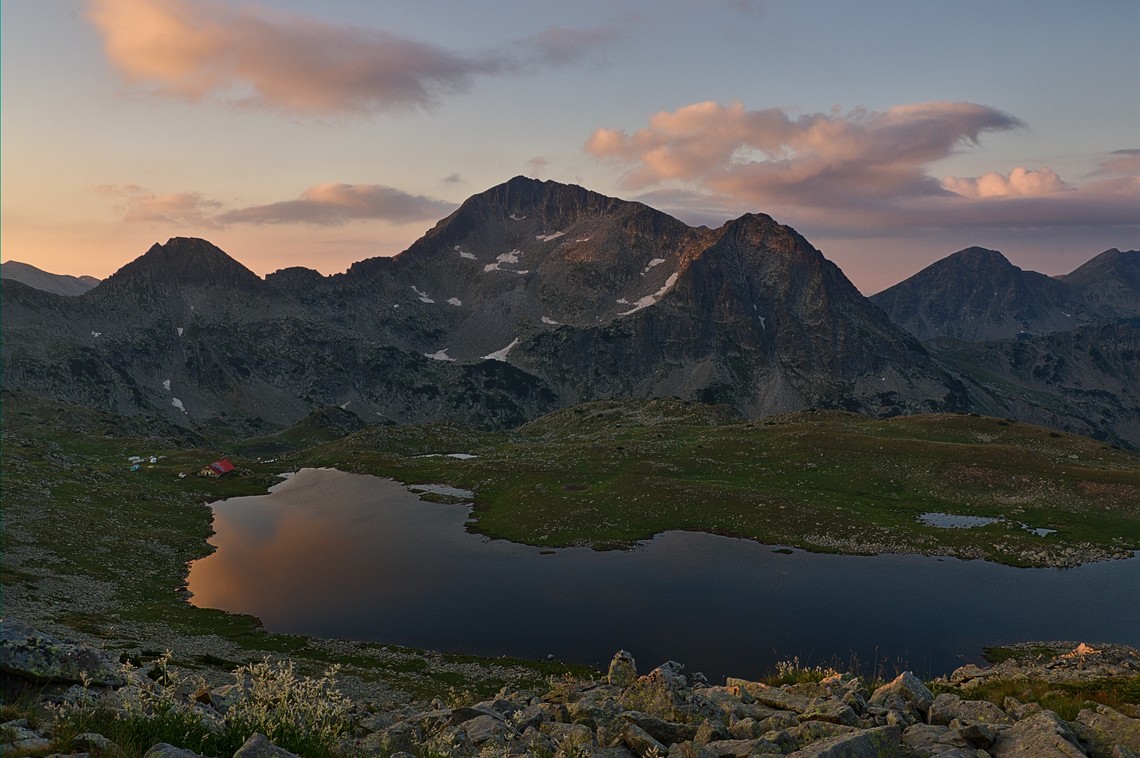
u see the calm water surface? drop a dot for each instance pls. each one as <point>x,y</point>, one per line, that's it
<point>340,555</point>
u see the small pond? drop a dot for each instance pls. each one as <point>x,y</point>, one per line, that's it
<point>340,555</point>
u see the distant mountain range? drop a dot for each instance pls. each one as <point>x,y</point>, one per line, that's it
<point>976,295</point>
<point>59,284</point>
<point>536,295</point>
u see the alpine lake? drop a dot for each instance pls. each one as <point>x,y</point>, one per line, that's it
<point>350,556</point>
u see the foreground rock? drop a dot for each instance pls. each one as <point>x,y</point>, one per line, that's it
<point>664,712</point>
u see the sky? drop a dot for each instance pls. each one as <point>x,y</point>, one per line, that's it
<point>890,133</point>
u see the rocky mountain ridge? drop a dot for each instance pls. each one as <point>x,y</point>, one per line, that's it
<point>977,295</point>
<point>531,296</point>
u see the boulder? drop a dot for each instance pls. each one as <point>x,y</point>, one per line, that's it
<point>773,697</point>
<point>1104,728</point>
<point>259,746</point>
<point>641,742</point>
<point>905,693</point>
<point>40,658</point>
<point>623,669</point>
<point>880,742</point>
<point>166,750</point>
<point>947,707</point>
<point>662,692</point>
<point>1040,736</point>
<point>925,739</point>
<point>742,748</point>
<point>834,711</point>
<point>665,732</point>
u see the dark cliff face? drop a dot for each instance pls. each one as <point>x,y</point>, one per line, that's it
<point>975,295</point>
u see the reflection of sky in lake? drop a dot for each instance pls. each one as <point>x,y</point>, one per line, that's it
<point>340,555</point>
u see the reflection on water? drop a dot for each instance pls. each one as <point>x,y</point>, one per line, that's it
<point>341,555</point>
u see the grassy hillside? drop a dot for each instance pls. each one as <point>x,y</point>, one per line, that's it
<point>611,473</point>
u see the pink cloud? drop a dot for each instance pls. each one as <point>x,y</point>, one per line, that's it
<point>320,205</point>
<point>769,155</point>
<point>257,57</point>
<point>140,205</point>
<point>860,170</point>
<point>333,204</point>
<point>1021,182</point>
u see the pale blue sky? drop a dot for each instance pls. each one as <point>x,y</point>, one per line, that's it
<point>125,122</point>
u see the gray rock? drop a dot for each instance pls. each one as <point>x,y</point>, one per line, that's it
<point>905,692</point>
<point>623,669</point>
<point>166,750</point>
<point>690,750</point>
<point>662,692</point>
<point>640,741</point>
<point>773,697</point>
<point>880,742</point>
<point>925,738</point>
<point>259,746</point>
<point>665,732</point>
<point>948,707</point>
<point>487,729</point>
<point>742,748</point>
<point>37,657</point>
<point>1104,728</point>
<point>835,711</point>
<point>89,741</point>
<point>1040,736</point>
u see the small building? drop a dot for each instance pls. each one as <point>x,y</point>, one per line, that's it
<point>217,468</point>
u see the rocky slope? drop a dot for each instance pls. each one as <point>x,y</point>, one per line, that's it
<point>1085,381</point>
<point>663,712</point>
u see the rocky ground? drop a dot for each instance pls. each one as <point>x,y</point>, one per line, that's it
<point>660,713</point>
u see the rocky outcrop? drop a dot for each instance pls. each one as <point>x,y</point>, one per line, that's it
<point>667,712</point>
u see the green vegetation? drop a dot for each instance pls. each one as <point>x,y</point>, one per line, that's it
<point>116,569</point>
<point>604,474</point>
<point>611,473</point>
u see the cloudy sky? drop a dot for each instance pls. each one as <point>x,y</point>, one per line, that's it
<point>320,132</point>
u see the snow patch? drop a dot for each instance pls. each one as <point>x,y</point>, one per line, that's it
<point>96,334</point>
<point>501,355</point>
<point>511,257</point>
<point>522,271</point>
<point>439,356</point>
<point>454,301</point>
<point>179,331</point>
<point>548,237</point>
<point>344,406</point>
<point>463,253</point>
<point>551,321</point>
<point>649,300</point>
<point>457,456</point>
<point>178,404</point>
<point>166,385</point>
<point>651,264</point>
<point>516,217</point>
<point>622,301</point>
<point>421,295</point>
<point>582,239</point>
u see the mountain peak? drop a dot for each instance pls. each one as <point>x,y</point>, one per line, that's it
<point>184,261</point>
